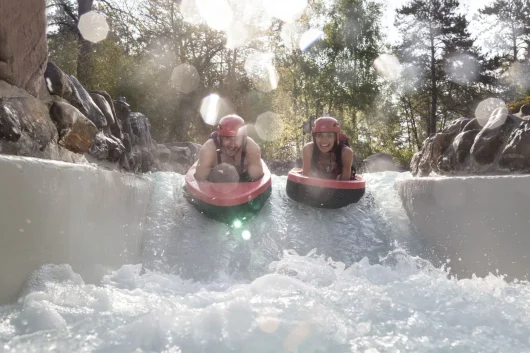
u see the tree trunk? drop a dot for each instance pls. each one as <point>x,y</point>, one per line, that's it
<point>85,60</point>
<point>514,43</point>
<point>431,129</point>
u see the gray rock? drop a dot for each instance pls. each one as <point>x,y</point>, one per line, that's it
<point>516,154</point>
<point>29,116</point>
<point>90,109</point>
<point>489,140</point>
<point>76,132</point>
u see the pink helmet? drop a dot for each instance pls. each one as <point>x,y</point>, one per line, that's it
<point>327,124</point>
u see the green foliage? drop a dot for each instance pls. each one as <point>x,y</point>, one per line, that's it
<point>335,76</point>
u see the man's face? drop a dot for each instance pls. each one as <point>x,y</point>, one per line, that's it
<point>232,145</point>
<point>325,141</point>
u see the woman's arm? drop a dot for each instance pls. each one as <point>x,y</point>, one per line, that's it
<point>307,154</point>
<point>347,161</point>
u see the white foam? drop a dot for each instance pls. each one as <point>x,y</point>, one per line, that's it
<point>377,298</point>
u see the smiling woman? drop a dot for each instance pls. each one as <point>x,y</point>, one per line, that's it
<point>329,155</point>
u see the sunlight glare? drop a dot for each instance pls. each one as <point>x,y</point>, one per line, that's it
<point>388,66</point>
<point>217,13</point>
<point>285,10</point>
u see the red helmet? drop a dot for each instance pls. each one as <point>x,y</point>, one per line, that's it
<point>231,125</point>
<point>327,124</point>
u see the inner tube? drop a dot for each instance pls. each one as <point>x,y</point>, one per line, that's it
<point>324,193</point>
<point>230,203</point>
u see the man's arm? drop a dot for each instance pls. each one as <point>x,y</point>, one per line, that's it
<point>255,169</point>
<point>307,153</point>
<point>207,157</point>
<point>347,161</point>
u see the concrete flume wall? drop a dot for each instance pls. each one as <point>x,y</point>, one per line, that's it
<point>54,212</point>
<point>480,223</point>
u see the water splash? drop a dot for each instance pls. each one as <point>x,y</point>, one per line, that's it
<point>356,292</point>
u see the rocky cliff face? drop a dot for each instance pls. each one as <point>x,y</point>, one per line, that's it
<point>500,146</point>
<point>46,113</point>
<point>23,46</point>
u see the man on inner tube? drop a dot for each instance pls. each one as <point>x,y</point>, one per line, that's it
<point>229,155</point>
<point>329,155</point>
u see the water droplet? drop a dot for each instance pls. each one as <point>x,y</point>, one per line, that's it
<point>285,10</point>
<point>485,109</point>
<point>237,35</point>
<point>93,26</point>
<point>290,35</point>
<point>462,68</point>
<point>190,12</point>
<point>217,13</point>
<point>261,71</point>
<point>309,37</point>
<point>185,78</point>
<point>245,235</point>
<point>213,108</point>
<point>269,126</point>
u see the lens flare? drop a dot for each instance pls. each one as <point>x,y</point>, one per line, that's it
<point>262,72</point>
<point>285,10</point>
<point>269,126</point>
<point>216,13</point>
<point>237,223</point>
<point>213,108</point>
<point>237,35</point>
<point>462,69</point>
<point>190,12</point>
<point>185,78</point>
<point>485,109</point>
<point>291,34</point>
<point>388,66</point>
<point>245,235</point>
<point>309,37</point>
<point>93,26</point>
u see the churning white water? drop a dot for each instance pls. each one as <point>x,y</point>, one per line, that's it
<point>292,279</point>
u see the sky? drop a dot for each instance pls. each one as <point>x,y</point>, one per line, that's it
<point>392,5</point>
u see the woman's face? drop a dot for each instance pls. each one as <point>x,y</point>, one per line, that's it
<point>325,141</point>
